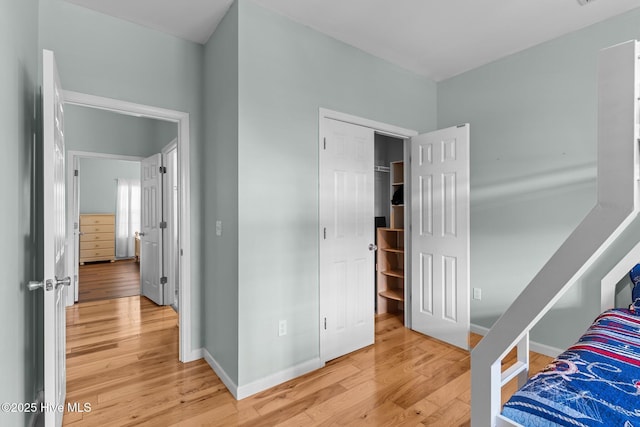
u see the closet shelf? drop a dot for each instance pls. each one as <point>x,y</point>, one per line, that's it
<point>394,273</point>
<point>393,250</point>
<point>390,254</point>
<point>393,294</point>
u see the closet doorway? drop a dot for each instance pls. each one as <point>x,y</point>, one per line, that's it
<point>423,273</point>
<point>347,229</point>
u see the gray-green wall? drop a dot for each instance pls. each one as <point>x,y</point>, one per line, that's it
<point>21,331</point>
<point>100,131</point>
<point>98,182</point>
<point>533,154</point>
<point>286,73</point>
<point>221,194</point>
<point>105,56</point>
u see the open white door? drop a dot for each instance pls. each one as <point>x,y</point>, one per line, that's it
<point>151,278</point>
<point>440,235</point>
<point>346,238</point>
<point>55,280</point>
<point>170,242</point>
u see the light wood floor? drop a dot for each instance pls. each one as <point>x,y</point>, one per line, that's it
<point>122,359</point>
<point>104,280</point>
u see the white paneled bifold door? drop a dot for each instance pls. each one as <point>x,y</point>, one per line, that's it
<point>55,281</point>
<point>346,238</point>
<point>440,235</point>
<point>151,278</point>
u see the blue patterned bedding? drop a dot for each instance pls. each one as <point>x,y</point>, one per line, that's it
<point>596,382</point>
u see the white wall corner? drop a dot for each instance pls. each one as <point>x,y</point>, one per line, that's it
<point>278,378</point>
<point>221,373</point>
<point>547,350</point>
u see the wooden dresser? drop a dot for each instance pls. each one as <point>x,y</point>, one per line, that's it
<point>97,237</point>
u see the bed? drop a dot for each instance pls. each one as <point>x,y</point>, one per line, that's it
<point>596,382</point>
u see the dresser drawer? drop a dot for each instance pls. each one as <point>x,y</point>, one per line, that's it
<point>98,244</point>
<point>105,228</point>
<point>93,219</point>
<point>107,253</point>
<point>92,237</point>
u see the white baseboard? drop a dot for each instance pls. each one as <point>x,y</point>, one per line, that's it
<point>240,392</point>
<point>195,354</point>
<point>547,350</point>
<point>221,373</point>
<point>278,378</point>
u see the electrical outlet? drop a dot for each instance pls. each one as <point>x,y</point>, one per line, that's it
<point>477,293</point>
<point>218,228</point>
<point>282,328</point>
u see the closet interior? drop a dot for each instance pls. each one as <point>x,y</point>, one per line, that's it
<point>389,222</point>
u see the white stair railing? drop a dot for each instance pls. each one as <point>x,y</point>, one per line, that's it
<point>617,206</point>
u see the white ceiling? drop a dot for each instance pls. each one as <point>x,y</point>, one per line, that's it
<point>435,38</point>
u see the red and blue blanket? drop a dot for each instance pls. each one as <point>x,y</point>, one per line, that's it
<point>596,382</point>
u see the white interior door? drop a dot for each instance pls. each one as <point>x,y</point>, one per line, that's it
<point>346,233</point>
<point>440,234</point>
<point>170,215</point>
<point>56,282</point>
<point>76,233</point>
<point>151,278</point>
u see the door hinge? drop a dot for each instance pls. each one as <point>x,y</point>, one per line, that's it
<point>163,224</point>
<point>75,225</point>
<point>163,280</point>
<point>325,143</point>
<point>75,172</point>
<point>325,233</point>
<point>325,323</point>
<point>163,169</point>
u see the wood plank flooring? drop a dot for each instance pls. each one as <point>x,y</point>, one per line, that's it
<point>104,280</point>
<point>122,359</point>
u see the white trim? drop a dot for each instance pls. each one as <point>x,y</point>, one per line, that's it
<point>220,372</point>
<point>609,282</point>
<point>502,421</point>
<point>380,128</point>
<point>94,155</point>
<point>547,350</point>
<point>184,193</point>
<point>196,354</point>
<point>278,378</point>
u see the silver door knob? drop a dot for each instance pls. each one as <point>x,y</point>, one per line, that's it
<point>63,282</point>
<point>372,247</point>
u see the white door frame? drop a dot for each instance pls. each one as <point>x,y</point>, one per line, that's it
<point>378,127</point>
<point>186,353</point>
<point>73,211</point>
